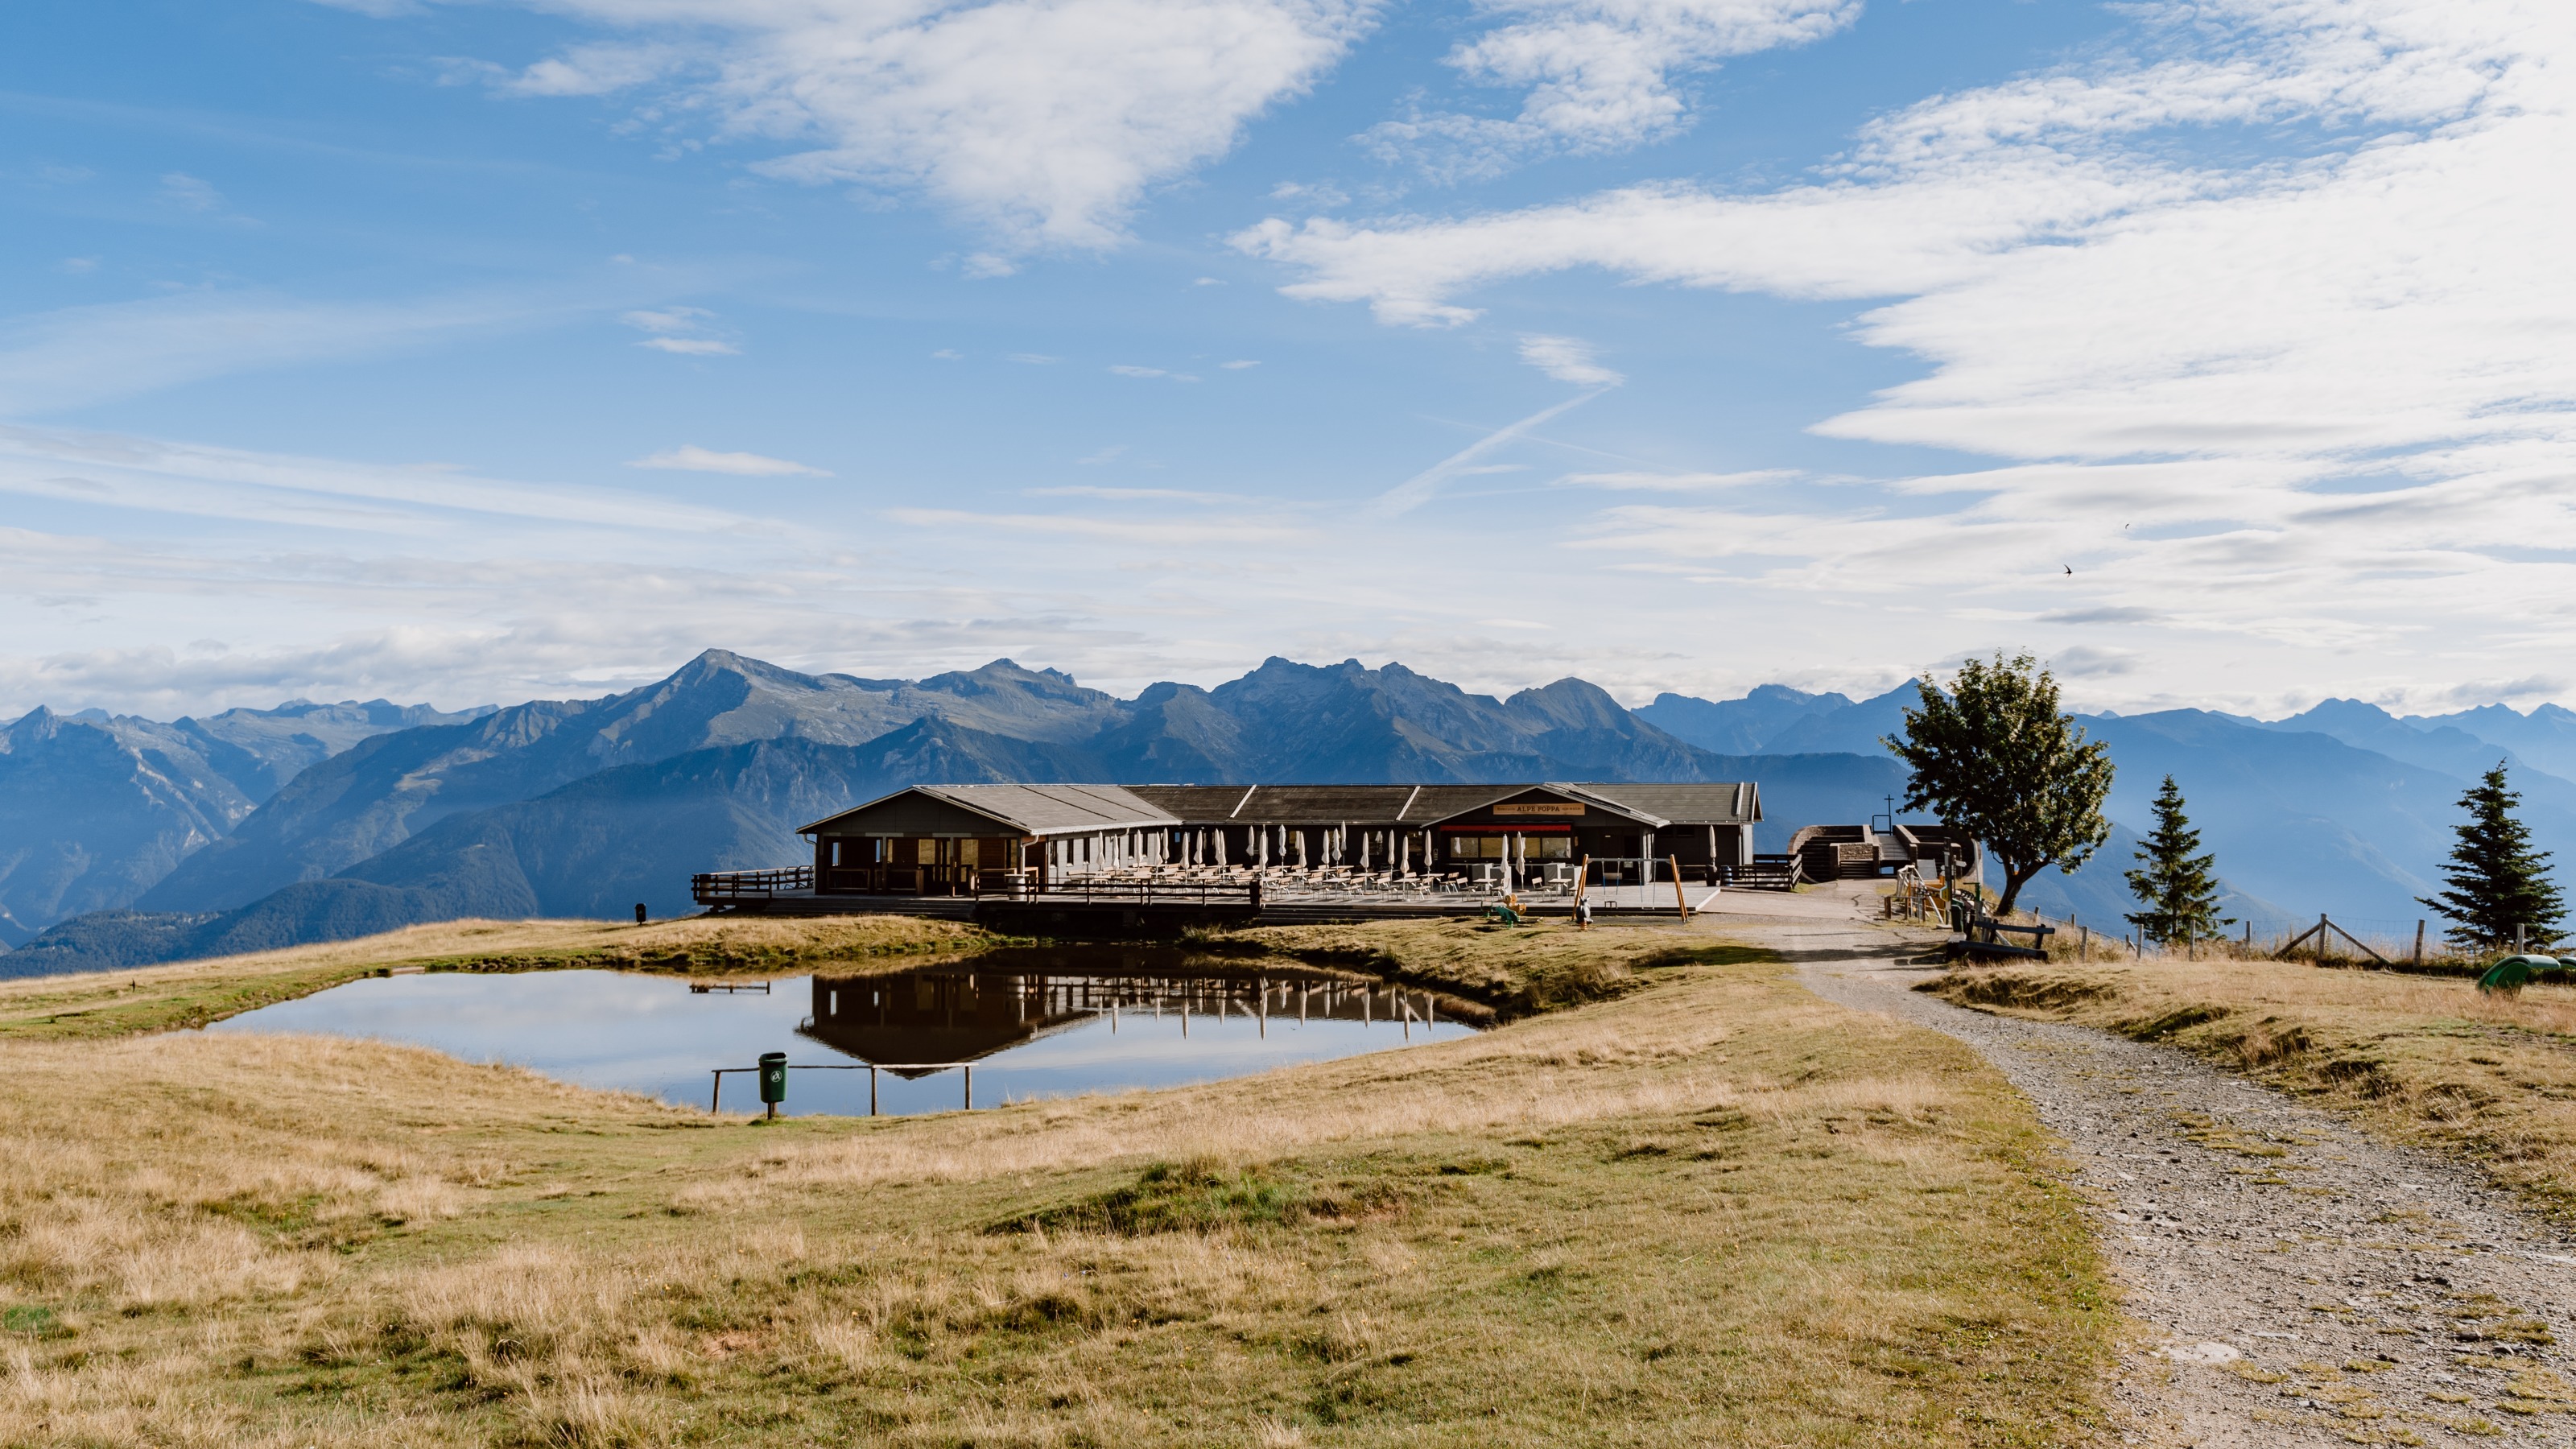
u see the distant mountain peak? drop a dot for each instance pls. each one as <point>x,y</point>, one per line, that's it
<point>1004,676</point>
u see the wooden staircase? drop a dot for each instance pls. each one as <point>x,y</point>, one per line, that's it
<point>1766,873</point>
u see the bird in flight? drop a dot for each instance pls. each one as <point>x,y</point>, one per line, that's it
<point>2070,568</point>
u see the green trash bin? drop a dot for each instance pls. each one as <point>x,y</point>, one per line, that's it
<point>773,1079</point>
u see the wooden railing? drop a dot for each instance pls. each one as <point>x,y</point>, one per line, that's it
<point>1768,872</point>
<point>1146,892</point>
<point>714,887</point>
<point>1980,934</point>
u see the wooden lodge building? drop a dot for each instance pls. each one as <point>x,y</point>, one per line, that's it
<point>988,840</point>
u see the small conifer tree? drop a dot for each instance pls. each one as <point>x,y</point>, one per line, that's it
<point>2174,883</point>
<point>2497,881</point>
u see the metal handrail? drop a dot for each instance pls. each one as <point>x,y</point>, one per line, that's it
<point>715,1099</point>
<point>1147,892</point>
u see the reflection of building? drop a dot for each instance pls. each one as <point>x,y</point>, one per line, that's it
<point>954,1014</point>
<point>932,1016</point>
<point>965,839</point>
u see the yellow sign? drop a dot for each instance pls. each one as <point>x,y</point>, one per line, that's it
<point>1568,809</point>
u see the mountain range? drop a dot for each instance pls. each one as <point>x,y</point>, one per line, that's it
<point>2344,808</point>
<point>95,809</point>
<point>125,840</point>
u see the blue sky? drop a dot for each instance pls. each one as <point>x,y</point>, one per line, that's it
<point>476,351</point>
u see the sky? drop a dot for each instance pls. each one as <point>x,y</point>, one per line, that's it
<point>464,351</point>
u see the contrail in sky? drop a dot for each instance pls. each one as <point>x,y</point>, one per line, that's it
<point>1417,490</point>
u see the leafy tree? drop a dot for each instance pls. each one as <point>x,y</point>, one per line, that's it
<point>1995,756</point>
<point>2497,881</point>
<point>2176,885</point>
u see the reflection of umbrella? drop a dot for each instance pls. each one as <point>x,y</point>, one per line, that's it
<point>2516,972</point>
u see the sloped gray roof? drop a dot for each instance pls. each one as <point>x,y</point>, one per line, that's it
<point>1732,802</point>
<point>1029,809</point>
<point>1074,809</point>
<point>1319,804</point>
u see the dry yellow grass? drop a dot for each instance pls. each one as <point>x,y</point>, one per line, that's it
<point>193,993</point>
<point>1713,1210</point>
<point>1540,966</point>
<point>2425,1059</point>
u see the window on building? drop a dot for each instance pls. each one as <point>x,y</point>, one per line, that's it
<point>1494,847</point>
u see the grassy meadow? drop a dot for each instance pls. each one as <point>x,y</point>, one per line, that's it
<point>1701,1206</point>
<point>2423,1059</point>
<point>193,993</point>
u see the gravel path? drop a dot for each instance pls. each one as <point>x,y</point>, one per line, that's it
<point>2297,1283</point>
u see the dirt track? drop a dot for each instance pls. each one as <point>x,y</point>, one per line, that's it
<point>2296,1283</point>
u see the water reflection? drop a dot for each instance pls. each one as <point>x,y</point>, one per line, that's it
<point>945,1016</point>
<point>1034,1023</point>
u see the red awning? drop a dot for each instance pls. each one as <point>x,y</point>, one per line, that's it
<point>1507,830</point>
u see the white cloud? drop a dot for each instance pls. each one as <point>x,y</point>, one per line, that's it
<point>1129,370</point>
<point>2161,335</point>
<point>194,480</point>
<point>680,330</point>
<point>189,193</point>
<point>692,346</point>
<point>1041,120</point>
<point>949,354</point>
<point>1033,359</point>
<point>667,319</point>
<point>1422,487</point>
<point>1567,359</point>
<point>1675,482</point>
<point>1597,75</point>
<point>1239,364</point>
<point>1114,530</point>
<point>596,70</point>
<point>690,458</point>
<point>81,355</point>
<point>1140,495</point>
<point>1315,194</point>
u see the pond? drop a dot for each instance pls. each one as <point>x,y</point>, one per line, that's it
<point>1031,1023</point>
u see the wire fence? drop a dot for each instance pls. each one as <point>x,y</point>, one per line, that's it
<point>2398,943</point>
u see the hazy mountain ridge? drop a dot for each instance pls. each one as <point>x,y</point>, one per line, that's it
<point>1281,723</point>
<point>370,799</point>
<point>590,806</point>
<point>407,828</point>
<point>1737,726</point>
<point>95,808</point>
<point>2343,808</point>
<point>2546,736</point>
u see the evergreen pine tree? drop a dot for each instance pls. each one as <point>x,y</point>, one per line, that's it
<point>2497,881</point>
<point>2175,884</point>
